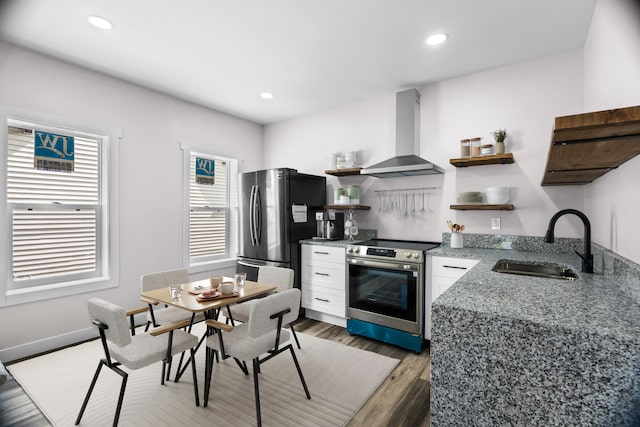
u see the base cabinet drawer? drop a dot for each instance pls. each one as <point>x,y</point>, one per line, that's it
<point>324,300</point>
<point>451,267</point>
<point>327,274</point>
<point>314,253</point>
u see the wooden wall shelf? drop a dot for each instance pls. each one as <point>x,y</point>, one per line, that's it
<point>343,172</point>
<point>505,207</point>
<point>348,207</point>
<point>491,159</point>
<point>586,146</point>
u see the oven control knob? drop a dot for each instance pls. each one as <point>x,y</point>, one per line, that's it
<point>407,254</point>
<point>356,249</point>
<point>349,249</point>
<point>416,255</point>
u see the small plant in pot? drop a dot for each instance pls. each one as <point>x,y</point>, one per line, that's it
<point>500,135</point>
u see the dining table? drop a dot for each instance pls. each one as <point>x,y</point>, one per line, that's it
<point>191,301</point>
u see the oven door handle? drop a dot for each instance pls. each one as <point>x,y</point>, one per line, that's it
<point>387,265</point>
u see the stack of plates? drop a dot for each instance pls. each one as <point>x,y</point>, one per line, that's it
<point>497,195</point>
<point>470,197</point>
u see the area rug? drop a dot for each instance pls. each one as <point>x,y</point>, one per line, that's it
<point>340,380</point>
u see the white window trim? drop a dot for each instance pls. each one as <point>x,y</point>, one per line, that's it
<point>110,248</point>
<point>187,149</point>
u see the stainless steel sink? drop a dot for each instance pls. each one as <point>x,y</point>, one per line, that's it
<point>552,271</point>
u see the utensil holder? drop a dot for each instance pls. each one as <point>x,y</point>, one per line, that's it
<point>456,240</point>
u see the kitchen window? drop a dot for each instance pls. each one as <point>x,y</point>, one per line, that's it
<point>210,217</point>
<point>59,208</point>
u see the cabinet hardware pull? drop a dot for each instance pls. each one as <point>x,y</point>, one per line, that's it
<point>321,253</point>
<point>321,274</point>
<point>454,266</point>
<point>321,299</point>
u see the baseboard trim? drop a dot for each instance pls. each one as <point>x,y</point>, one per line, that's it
<point>33,348</point>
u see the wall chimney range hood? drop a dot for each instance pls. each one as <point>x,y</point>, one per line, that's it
<point>406,161</point>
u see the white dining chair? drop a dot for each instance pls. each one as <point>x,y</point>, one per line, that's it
<point>163,315</point>
<point>134,352</point>
<point>262,335</point>
<point>281,277</point>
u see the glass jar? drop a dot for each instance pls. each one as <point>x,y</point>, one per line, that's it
<point>486,149</point>
<point>475,146</point>
<point>464,148</point>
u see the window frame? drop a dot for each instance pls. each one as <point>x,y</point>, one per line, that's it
<point>228,260</point>
<point>107,250</point>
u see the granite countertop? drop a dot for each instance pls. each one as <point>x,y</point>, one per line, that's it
<point>594,303</point>
<point>521,350</point>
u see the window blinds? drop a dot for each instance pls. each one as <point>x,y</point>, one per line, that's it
<point>209,214</point>
<point>54,215</point>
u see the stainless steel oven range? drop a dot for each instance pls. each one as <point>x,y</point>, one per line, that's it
<point>385,291</point>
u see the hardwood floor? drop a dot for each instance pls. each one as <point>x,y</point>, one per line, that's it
<point>402,400</point>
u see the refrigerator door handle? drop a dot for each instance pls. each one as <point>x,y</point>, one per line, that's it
<point>252,202</point>
<point>258,219</point>
<point>248,264</point>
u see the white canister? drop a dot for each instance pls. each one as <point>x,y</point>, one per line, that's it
<point>333,161</point>
<point>456,240</point>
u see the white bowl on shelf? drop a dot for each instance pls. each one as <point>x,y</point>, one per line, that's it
<point>497,195</point>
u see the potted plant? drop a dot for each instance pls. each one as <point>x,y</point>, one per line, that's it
<point>500,135</point>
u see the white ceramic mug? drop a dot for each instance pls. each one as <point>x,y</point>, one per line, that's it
<point>226,288</point>
<point>215,281</point>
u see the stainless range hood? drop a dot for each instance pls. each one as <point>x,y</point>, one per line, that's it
<point>406,161</point>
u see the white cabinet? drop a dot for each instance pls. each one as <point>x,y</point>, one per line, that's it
<point>445,272</point>
<point>323,278</point>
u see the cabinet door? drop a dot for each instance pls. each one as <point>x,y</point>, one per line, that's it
<point>439,285</point>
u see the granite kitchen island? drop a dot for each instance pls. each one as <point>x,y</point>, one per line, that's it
<point>521,350</point>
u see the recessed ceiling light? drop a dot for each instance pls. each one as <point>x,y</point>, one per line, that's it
<point>100,22</point>
<point>267,95</point>
<point>437,39</point>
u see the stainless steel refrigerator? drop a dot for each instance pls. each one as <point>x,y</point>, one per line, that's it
<point>277,210</point>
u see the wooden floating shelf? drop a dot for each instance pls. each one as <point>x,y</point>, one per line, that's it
<point>343,172</point>
<point>347,207</point>
<point>491,159</point>
<point>586,146</point>
<point>505,207</point>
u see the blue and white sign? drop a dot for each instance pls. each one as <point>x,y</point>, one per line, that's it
<point>53,152</point>
<point>205,171</point>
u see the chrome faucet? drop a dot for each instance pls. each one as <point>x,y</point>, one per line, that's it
<point>587,257</point>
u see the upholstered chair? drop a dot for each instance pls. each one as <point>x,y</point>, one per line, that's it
<point>163,315</point>
<point>278,276</point>
<point>135,352</point>
<point>258,340</point>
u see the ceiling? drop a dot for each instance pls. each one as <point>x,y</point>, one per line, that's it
<point>312,54</point>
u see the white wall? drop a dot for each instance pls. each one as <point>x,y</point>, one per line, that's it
<point>523,98</point>
<point>612,80</point>
<point>150,173</point>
